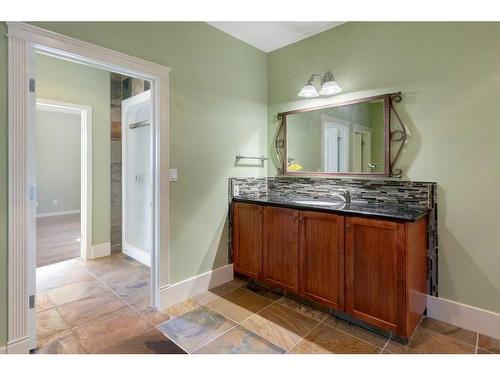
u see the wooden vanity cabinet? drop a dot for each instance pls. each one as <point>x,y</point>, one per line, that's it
<point>247,239</point>
<point>373,270</point>
<point>386,272</point>
<point>280,266</point>
<point>322,258</point>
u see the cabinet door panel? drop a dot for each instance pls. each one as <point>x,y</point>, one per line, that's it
<point>281,248</point>
<point>322,258</point>
<point>247,239</point>
<point>375,267</point>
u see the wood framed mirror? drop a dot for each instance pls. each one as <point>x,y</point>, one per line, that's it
<point>350,138</point>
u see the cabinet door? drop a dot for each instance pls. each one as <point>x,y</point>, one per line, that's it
<point>247,239</point>
<point>281,248</point>
<point>322,258</point>
<point>375,267</point>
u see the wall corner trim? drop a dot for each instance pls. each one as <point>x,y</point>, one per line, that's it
<point>464,316</point>
<point>100,250</point>
<point>183,290</point>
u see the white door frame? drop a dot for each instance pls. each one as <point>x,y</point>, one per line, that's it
<point>85,113</point>
<point>23,42</point>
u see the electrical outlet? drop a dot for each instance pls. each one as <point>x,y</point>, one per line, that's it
<point>173,175</point>
<point>236,191</point>
<point>54,202</point>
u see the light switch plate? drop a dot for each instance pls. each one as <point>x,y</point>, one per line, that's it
<point>173,175</point>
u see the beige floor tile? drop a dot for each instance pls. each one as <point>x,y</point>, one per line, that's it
<point>238,282</point>
<point>150,313</point>
<point>239,304</point>
<point>149,342</point>
<point>132,286</point>
<point>359,332</point>
<point>72,292</point>
<point>61,343</point>
<point>239,340</point>
<point>223,289</point>
<point>325,339</point>
<point>263,292</point>
<point>60,274</point>
<point>204,297</point>
<point>482,351</point>
<point>42,301</point>
<point>108,265</point>
<point>280,325</point>
<point>196,328</point>
<point>49,322</point>
<point>425,341</point>
<point>181,308</point>
<point>489,344</point>
<point>91,307</point>
<point>303,309</point>
<point>110,329</point>
<point>449,330</point>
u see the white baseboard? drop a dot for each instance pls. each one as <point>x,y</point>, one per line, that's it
<point>464,316</point>
<point>100,250</point>
<point>58,213</point>
<point>20,346</point>
<point>137,254</point>
<point>171,294</point>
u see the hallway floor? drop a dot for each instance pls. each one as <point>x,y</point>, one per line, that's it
<point>102,306</point>
<point>57,239</point>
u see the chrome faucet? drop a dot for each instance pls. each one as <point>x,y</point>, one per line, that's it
<point>344,195</point>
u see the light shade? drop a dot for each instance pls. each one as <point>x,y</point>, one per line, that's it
<point>308,91</point>
<point>330,88</point>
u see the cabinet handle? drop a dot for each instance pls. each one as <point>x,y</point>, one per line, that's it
<point>348,227</point>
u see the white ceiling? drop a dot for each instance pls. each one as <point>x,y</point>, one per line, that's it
<point>268,36</point>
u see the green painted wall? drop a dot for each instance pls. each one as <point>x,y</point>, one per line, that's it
<point>58,139</point>
<point>449,74</point>
<point>225,95</point>
<point>218,108</point>
<point>79,84</point>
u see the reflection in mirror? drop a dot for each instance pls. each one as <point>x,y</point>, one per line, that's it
<point>342,139</point>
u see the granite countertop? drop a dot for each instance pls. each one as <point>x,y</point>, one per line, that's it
<point>376,210</point>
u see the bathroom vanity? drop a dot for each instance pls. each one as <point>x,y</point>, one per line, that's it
<point>366,261</point>
<point>370,258</point>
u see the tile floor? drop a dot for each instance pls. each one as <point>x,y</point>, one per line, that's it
<point>102,307</point>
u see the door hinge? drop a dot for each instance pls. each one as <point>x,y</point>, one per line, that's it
<point>32,193</point>
<point>32,301</point>
<point>32,85</point>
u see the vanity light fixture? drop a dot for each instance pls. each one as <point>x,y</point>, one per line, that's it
<point>329,86</point>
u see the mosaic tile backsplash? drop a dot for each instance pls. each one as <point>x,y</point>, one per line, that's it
<point>391,192</point>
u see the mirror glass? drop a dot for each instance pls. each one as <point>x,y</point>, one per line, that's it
<point>341,139</point>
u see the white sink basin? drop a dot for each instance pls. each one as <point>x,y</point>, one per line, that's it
<point>319,203</point>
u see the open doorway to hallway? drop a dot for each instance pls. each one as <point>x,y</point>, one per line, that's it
<point>58,164</point>
<point>93,266</point>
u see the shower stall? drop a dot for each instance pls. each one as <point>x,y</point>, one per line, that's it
<point>137,178</point>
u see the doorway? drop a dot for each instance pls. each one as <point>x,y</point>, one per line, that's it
<point>64,181</point>
<point>25,41</point>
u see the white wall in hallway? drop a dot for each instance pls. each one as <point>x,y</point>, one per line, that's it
<point>58,162</point>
